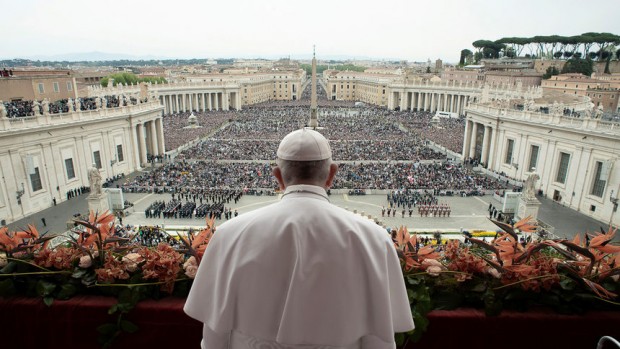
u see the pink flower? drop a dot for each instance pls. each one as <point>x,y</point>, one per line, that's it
<point>3,260</point>
<point>131,261</point>
<point>429,262</point>
<point>191,267</point>
<point>85,262</point>
<point>433,270</point>
<point>494,273</point>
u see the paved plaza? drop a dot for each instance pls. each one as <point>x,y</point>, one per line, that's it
<point>468,213</point>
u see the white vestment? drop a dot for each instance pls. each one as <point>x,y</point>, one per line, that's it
<point>300,273</point>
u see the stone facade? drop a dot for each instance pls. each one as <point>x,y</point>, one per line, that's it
<point>44,157</point>
<point>576,158</point>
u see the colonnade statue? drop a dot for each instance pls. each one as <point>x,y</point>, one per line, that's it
<point>529,186</point>
<point>94,178</point>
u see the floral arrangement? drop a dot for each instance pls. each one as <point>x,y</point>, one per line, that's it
<point>98,261</point>
<point>569,276</point>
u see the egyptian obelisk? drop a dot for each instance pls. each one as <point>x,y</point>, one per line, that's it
<point>313,123</point>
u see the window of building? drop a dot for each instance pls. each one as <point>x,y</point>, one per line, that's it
<point>119,153</point>
<point>35,180</point>
<point>599,182</point>
<point>69,167</point>
<point>533,158</point>
<point>509,149</point>
<point>56,87</point>
<point>41,88</point>
<point>97,158</point>
<point>562,168</point>
<point>69,86</point>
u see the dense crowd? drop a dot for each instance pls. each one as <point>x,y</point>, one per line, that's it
<point>196,176</point>
<point>177,132</point>
<point>15,109</point>
<point>448,132</point>
<point>356,134</point>
<point>435,176</point>
<point>358,150</point>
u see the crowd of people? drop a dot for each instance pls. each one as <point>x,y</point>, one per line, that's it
<point>177,132</point>
<point>448,132</point>
<point>153,236</point>
<point>19,109</point>
<point>196,176</point>
<point>431,176</point>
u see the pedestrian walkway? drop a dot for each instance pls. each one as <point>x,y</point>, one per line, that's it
<point>469,213</point>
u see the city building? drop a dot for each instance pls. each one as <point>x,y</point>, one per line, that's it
<point>575,155</point>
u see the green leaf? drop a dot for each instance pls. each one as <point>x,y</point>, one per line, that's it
<point>78,273</point>
<point>124,307</point>
<point>446,300</point>
<point>492,305</point>
<point>113,309</point>
<point>7,288</point>
<point>48,301</point>
<point>107,329</point>
<point>399,338</point>
<point>89,279</point>
<point>567,284</point>
<point>67,291</point>
<point>128,326</point>
<point>45,288</point>
<point>479,287</point>
<point>9,268</point>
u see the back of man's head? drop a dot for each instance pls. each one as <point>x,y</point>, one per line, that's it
<point>304,157</point>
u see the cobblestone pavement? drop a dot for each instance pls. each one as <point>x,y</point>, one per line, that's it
<point>469,213</point>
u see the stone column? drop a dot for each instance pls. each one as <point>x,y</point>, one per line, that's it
<point>485,145</point>
<point>217,101</point>
<point>474,137</point>
<point>136,146</point>
<point>432,102</point>
<point>161,147</point>
<point>147,133</point>
<point>142,145</point>
<point>210,101</point>
<point>467,139</point>
<point>492,155</point>
<point>153,138</point>
<point>184,101</point>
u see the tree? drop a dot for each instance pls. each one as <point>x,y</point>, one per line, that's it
<point>129,79</point>
<point>509,52</point>
<point>477,57</point>
<point>551,71</point>
<point>618,54</point>
<point>578,65</point>
<point>558,54</point>
<point>465,56</point>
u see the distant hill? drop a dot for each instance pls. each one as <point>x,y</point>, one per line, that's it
<point>93,56</point>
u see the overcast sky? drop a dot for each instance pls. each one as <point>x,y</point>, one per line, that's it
<point>388,29</point>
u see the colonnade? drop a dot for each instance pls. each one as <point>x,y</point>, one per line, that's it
<point>149,140</point>
<point>199,101</point>
<point>432,101</point>
<point>479,142</point>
